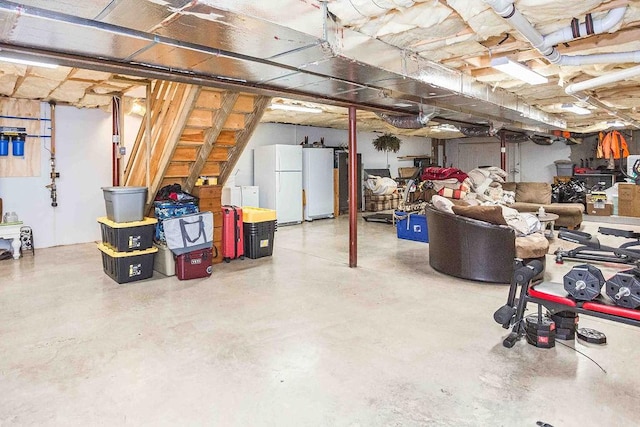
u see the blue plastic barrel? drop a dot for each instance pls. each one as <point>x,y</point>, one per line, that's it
<point>4,146</point>
<point>17,146</point>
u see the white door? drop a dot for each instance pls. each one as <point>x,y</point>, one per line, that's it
<point>288,157</point>
<point>288,197</point>
<point>471,156</point>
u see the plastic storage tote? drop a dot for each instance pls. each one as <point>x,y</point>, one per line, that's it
<point>250,214</point>
<point>125,267</point>
<point>164,261</point>
<point>412,227</point>
<point>127,236</point>
<point>125,204</point>
<point>258,238</point>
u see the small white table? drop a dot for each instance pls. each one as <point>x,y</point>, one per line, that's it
<point>12,231</point>
<point>547,220</point>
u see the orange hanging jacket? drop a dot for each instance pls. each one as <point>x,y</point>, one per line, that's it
<point>613,145</point>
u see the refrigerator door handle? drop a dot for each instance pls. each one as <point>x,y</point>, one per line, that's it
<point>277,182</point>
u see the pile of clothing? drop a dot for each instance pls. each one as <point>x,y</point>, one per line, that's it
<point>482,186</point>
<point>447,182</point>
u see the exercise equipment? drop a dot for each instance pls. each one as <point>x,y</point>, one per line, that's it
<point>591,336</point>
<point>566,324</point>
<point>540,330</point>
<point>584,282</point>
<point>592,250</point>
<point>624,288</point>
<point>555,299</point>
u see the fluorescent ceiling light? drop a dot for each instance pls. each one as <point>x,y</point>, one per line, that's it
<point>576,109</point>
<point>616,124</point>
<point>295,108</point>
<point>28,62</point>
<point>402,104</point>
<point>518,71</point>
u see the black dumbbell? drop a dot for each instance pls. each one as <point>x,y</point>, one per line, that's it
<point>583,282</point>
<point>624,289</point>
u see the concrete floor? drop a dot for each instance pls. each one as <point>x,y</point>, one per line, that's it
<point>296,339</point>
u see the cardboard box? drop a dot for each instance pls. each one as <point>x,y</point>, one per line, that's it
<point>599,208</point>
<point>629,200</point>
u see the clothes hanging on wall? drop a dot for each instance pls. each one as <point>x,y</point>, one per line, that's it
<point>612,145</point>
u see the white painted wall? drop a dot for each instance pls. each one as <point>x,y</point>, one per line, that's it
<point>84,162</point>
<point>272,133</point>
<point>83,159</point>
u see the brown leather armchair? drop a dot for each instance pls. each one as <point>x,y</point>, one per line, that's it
<point>471,249</point>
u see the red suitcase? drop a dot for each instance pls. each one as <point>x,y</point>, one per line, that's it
<point>193,265</point>
<point>232,233</point>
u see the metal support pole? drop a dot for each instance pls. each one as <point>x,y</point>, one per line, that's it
<point>503,151</point>
<point>353,190</point>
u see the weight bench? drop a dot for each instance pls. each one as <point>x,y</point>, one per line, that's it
<point>555,299</point>
<point>592,250</point>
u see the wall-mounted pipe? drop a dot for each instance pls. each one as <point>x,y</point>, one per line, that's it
<point>53,174</point>
<point>115,141</point>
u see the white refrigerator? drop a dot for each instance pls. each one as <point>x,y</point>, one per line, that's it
<point>277,171</point>
<point>317,182</point>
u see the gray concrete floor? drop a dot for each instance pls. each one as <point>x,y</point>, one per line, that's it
<point>296,339</point>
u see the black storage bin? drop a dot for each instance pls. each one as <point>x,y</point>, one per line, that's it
<point>125,267</point>
<point>258,238</point>
<point>127,236</point>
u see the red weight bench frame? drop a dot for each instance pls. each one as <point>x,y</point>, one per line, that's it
<point>554,298</point>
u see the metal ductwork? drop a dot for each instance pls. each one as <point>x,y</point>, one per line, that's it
<point>474,132</point>
<point>408,122</point>
<point>312,58</point>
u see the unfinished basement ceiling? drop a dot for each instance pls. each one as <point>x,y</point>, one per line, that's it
<point>397,56</point>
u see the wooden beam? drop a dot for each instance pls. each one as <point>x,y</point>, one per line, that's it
<point>220,117</point>
<point>243,137</point>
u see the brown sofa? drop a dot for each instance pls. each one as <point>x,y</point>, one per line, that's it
<point>531,195</point>
<point>478,250</point>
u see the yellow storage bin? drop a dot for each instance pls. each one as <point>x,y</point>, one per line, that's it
<point>127,236</point>
<point>250,214</point>
<point>125,267</point>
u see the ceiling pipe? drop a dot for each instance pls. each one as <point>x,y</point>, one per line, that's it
<point>613,77</point>
<point>599,26</point>
<point>600,58</point>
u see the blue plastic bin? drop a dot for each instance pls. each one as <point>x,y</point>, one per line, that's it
<point>4,146</point>
<point>412,227</point>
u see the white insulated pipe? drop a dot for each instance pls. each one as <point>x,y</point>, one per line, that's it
<point>613,77</point>
<point>599,26</point>
<point>601,58</point>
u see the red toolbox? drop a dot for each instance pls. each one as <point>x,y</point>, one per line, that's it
<point>232,234</point>
<point>193,265</point>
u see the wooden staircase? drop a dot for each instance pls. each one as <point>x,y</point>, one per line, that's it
<point>191,131</point>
